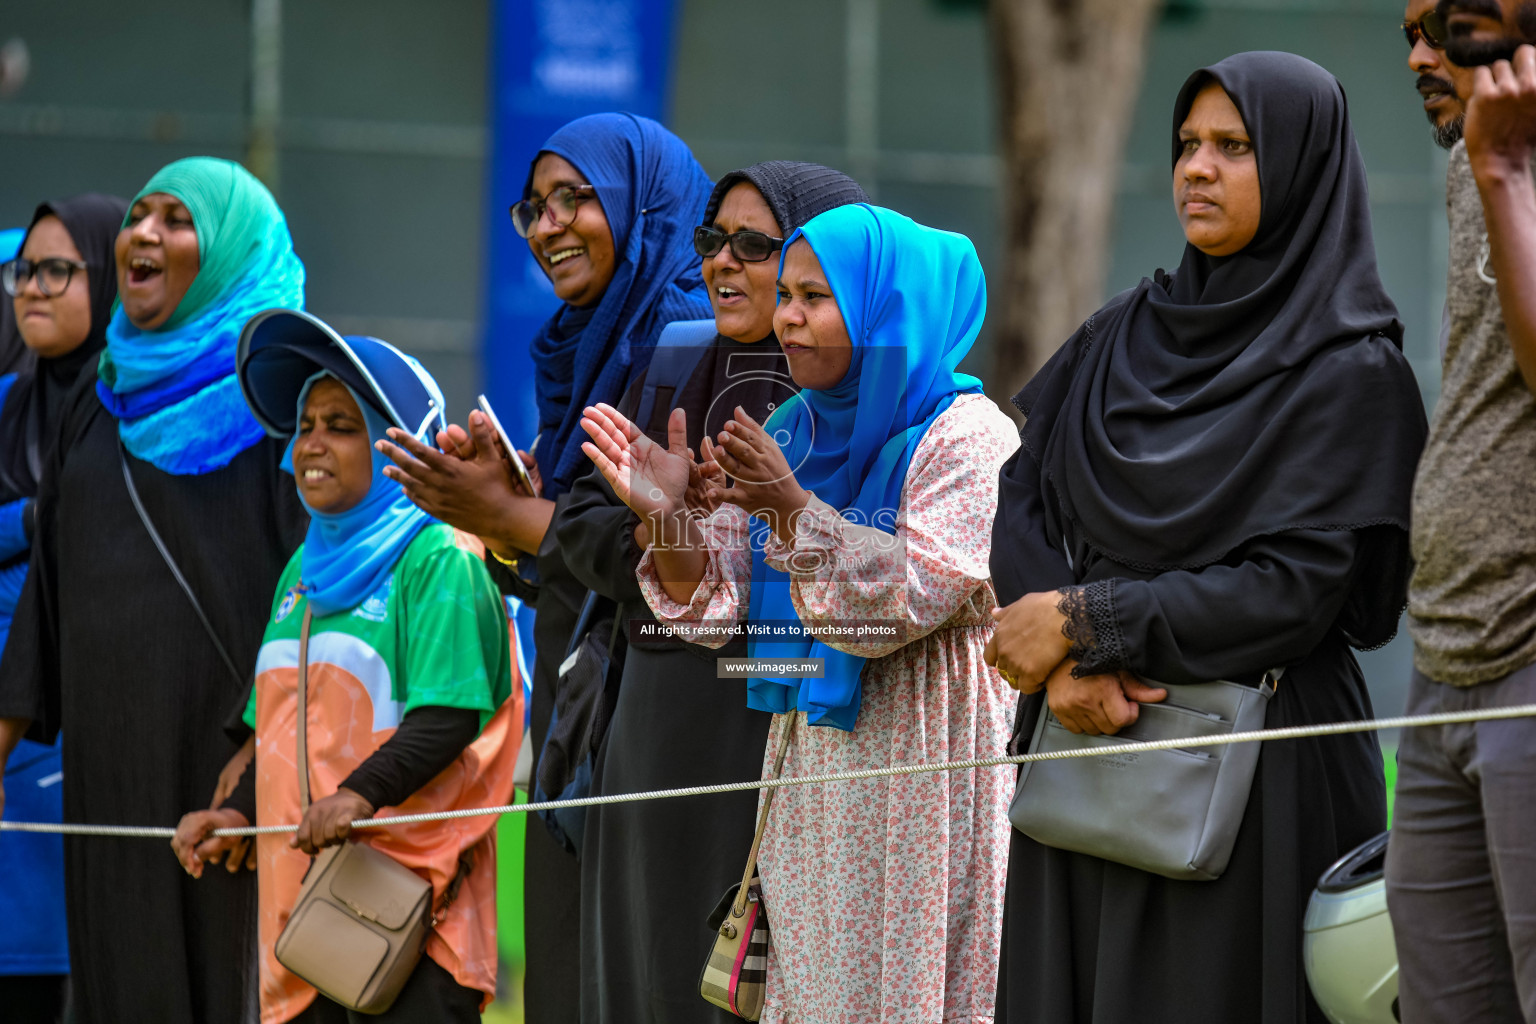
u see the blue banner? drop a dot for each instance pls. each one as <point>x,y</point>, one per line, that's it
<point>552,61</point>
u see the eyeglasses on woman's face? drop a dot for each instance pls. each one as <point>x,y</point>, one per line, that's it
<point>52,274</point>
<point>560,206</point>
<point>747,246</point>
<point>1430,28</point>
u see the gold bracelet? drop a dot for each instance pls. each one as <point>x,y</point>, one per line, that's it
<point>510,563</point>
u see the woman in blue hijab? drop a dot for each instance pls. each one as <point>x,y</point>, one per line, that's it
<point>872,494</point>
<point>409,672</point>
<point>609,211</point>
<point>145,666</point>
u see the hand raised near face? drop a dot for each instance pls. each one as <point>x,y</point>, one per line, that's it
<point>459,442</point>
<point>706,482</point>
<point>1500,126</point>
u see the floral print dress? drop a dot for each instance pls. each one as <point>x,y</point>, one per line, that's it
<point>885,895</point>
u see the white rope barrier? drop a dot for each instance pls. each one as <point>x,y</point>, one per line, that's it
<point>1253,736</point>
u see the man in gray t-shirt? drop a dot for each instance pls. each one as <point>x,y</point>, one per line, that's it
<point>1461,868</point>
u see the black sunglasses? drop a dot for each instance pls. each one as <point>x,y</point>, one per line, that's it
<point>747,246</point>
<point>1430,28</point>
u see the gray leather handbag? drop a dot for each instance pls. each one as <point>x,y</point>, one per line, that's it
<point>1171,812</point>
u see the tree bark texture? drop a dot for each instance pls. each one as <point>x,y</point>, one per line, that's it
<point>1068,76</point>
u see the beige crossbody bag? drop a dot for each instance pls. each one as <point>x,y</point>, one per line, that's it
<point>361,919</point>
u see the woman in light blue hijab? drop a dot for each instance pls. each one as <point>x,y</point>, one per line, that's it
<point>405,641</point>
<point>142,644</point>
<point>872,495</point>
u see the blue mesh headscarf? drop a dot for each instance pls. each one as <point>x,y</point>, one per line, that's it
<point>653,193</point>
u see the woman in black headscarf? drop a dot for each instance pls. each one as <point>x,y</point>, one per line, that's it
<point>60,290</point>
<point>1213,482</point>
<point>650,870</point>
<point>32,404</point>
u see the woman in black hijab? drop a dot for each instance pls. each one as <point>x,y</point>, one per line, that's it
<point>1213,482</point>
<point>65,309</point>
<point>650,874</point>
<point>31,408</point>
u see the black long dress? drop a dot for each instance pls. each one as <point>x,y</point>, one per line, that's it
<point>552,884</point>
<point>106,644</point>
<point>652,872</point>
<point>1085,941</point>
<point>1218,467</point>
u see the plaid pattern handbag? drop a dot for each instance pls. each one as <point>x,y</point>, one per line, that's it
<point>735,976</point>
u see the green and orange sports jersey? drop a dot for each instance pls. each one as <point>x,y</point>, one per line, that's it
<point>435,633</point>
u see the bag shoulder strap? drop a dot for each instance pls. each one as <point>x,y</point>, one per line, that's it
<point>762,816</point>
<point>678,351</point>
<point>303,687</point>
<point>466,858</point>
<point>583,623</point>
<point>170,563</point>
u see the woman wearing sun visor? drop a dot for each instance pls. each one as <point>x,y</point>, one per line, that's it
<point>409,673</point>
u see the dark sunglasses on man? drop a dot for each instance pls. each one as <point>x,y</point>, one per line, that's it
<point>53,275</point>
<point>560,205</point>
<point>747,246</point>
<point>1430,28</point>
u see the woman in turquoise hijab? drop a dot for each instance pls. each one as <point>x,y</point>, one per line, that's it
<point>855,534</point>
<point>145,665</point>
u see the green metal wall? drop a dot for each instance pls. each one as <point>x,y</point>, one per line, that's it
<point>383,134</point>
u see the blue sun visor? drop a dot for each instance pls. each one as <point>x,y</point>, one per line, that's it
<point>280,349</point>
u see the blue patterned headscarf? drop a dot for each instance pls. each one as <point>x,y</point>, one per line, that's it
<point>653,193</point>
<point>173,389</point>
<point>913,299</point>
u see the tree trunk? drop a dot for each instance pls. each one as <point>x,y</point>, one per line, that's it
<point>1068,74</point>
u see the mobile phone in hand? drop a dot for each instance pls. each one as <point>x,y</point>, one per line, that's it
<point>512,456</point>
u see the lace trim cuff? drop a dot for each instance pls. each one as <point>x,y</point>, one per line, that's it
<point>1093,627</point>
<point>816,532</point>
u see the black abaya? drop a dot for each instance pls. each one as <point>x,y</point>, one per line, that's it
<point>652,872</point>
<point>106,644</point>
<point>1087,941</point>
<point>1216,468</point>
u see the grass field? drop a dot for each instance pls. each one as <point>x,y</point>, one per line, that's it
<point>1389,755</point>
<point>504,1012</point>
<point>508,1008</point>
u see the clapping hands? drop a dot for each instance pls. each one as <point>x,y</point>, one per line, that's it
<point>652,480</point>
<point>746,468</point>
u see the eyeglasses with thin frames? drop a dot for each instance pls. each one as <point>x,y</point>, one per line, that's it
<point>560,206</point>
